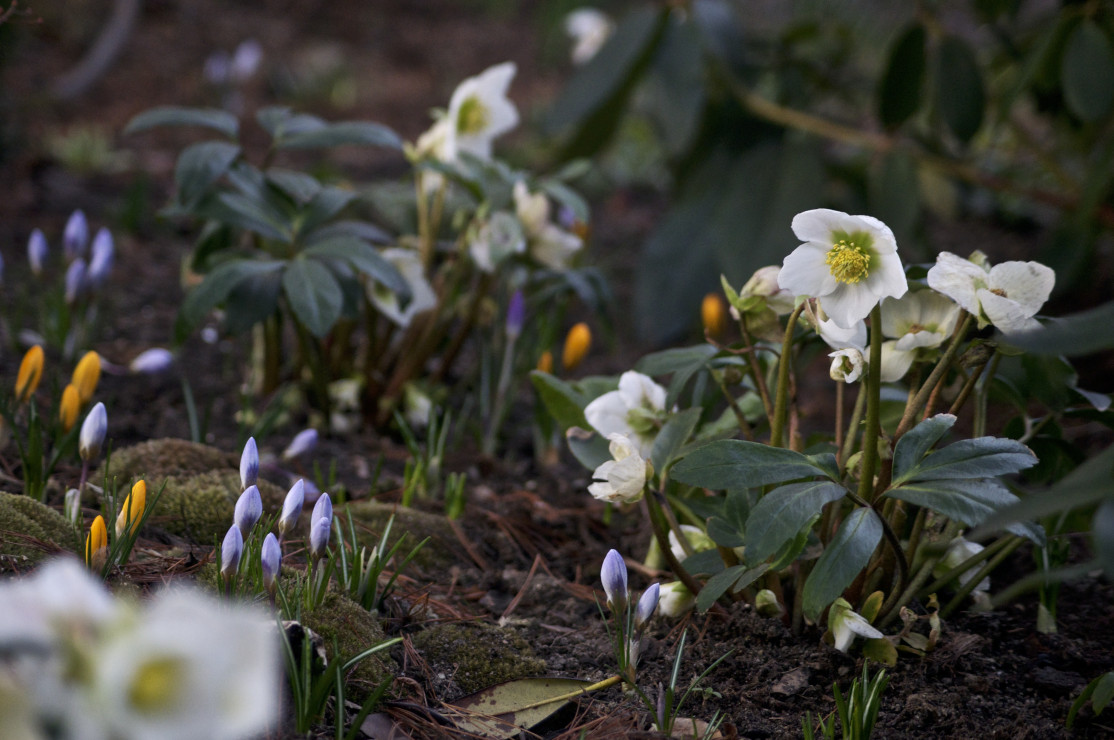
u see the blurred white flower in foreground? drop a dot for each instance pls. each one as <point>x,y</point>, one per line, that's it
<point>635,411</point>
<point>849,263</point>
<point>93,667</point>
<point>1007,295</point>
<point>845,624</point>
<point>588,28</point>
<point>622,479</point>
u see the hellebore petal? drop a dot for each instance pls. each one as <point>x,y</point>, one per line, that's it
<point>589,29</point>
<point>249,464</point>
<point>613,574</point>
<point>636,411</point>
<point>292,507</point>
<point>93,431</point>
<point>37,251</point>
<point>230,550</point>
<point>647,603</point>
<point>675,600</point>
<point>249,507</point>
<point>304,442</point>
<point>847,365</point>
<point>480,111</point>
<point>623,478</point>
<point>152,361</point>
<point>75,237</point>
<point>845,624</point>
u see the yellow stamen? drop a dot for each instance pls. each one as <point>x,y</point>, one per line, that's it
<point>155,687</point>
<point>847,262</point>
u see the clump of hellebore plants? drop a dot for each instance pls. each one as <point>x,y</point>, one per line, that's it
<point>375,307</point>
<point>881,504</point>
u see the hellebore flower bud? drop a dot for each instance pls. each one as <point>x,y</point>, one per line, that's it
<point>30,373</point>
<point>646,606</point>
<point>93,431</point>
<point>249,464</point>
<point>249,507</point>
<point>292,507</point>
<point>152,361</point>
<point>69,407</point>
<point>319,537</point>
<point>516,315</point>
<point>86,375</point>
<point>304,442</point>
<point>323,509</point>
<point>614,577</point>
<point>101,258</point>
<point>676,600</point>
<point>96,544</point>
<point>37,251</point>
<point>230,550</point>
<point>271,559</point>
<point>577,343</point>
<point>132,510</point>
<point>75,280</point>
<point>75,236</point>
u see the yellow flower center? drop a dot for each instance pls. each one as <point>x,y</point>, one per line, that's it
<point>848,263</point>
<point>473,116</point>
<point>155,686</point>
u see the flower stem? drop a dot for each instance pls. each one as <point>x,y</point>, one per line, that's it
<point>1012,544</point>
<point>781,403</point>
<point>873,389</point>
<point>657,517</point>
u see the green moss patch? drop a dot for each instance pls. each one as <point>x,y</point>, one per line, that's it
<point>352,629</point>
<point>31,531</point>
<point>437,554</point>
<point>157,459</point>
<point>478,655</point>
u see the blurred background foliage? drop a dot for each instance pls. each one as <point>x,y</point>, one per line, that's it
<point>748,113</point>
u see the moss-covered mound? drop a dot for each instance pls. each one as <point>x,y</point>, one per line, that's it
<point>352,629</point>
<point>30,531</point>
<point>371,517</point>
<point>478,655</point>
<point>157,459</point>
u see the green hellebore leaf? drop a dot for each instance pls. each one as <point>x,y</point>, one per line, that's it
<point>314,295</point>
<point>199,166</point>
<point>215,288</point>
<point>783,512</point>
<point>218,120</point>
<point>564,403</point>
<point>1087,71</point>
<point>916,443</point>
<point>674,433</point>
<point>844,557</point>
<point>981,457</point>
<point>899,92</point>
<point>733,463</point>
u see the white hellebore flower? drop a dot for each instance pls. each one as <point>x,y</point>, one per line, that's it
<point>919,319</point>
<point>589,29</point>
<point>698,541</point>
<point>960,550</point>
<point>847,365</point>
<point>549,244</point>
<point>634,411</point>
<point>479,111</point>
<point>675,600</point>
<point>622,479</point>
<point>845,624</point>
<point>849,263</point>
<point>1007,295</point>
<point>764,283</point>
<point>495,240</point>
<point>422,298</point>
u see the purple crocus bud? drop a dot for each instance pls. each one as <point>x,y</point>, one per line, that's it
<point>271,559</point>
<point>245,61</point>
<point>319,537</point>
<point>323,509</point>
<point>646,606</point>
<point>37,251</point>
<point>216,68</point>
<point>72,507</point>
<point>303,442</point>
<point>230,551</point>
<point>154,361</point>
<point>76,236</point>
<point>249,507</point>
<point>516,314</point>
<point>249,464</point>
<point>292,507</point>
<point>93,431</point>
<point>101,258</point>
<point>614,577</point>
<point>75,280</point>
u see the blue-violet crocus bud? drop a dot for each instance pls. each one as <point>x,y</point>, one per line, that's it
<point>292,507</point>
<point>516,315</point>
<point>72,506</point>
<point>614,577</point>
<point>271,559</point>
<point>249,464</point>
<point>303,442</point>
<point>37,251</point>
<point>75,280</point>
<point>249,507</point>
<point>230,551</point>
<point>319,537</point>
<point>152,361</point>
<point>646,606</point>
<point>76,236</point>
<point>323,509</point>
<point>93,430</point>
<point>101,258</point>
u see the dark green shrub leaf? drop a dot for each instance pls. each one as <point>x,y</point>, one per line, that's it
<point>725,533</point>
<point>1102,530</point>
<point>1074,335</point>
<point>361,230</point>
<point>1087,72</point>
<point>588,447</point>
<point>328,135</point>
<point>981,457</point>
<point>960,97</point>
<point>677,85</point>
<point>328,202</point>
<point>967,501</point>
<point>252,301</point>
<point>673,434</point>
<point>844,557</point>
<point>902,84</point>
<point>365,258</point>
<point>250,214</point>
<point>733,463</point>
<point>215,288</point>
<point>735,577</point>
<point>199,166</point>
<point>675,360</point>
<point>916,443</point>
<point>313,294</point>
<point>211,118</point>
<point>564,403</point>
<point>298,185</point>
<point>783,512</point>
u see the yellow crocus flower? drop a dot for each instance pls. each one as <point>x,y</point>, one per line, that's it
<point>86,375</point>
<point>69,407</point>
<point>577,343</point>
<point>132,510</point>
<point>545,362</point>
<point>30,373</point>
<point>713,312</point>
<point>96,544</point>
